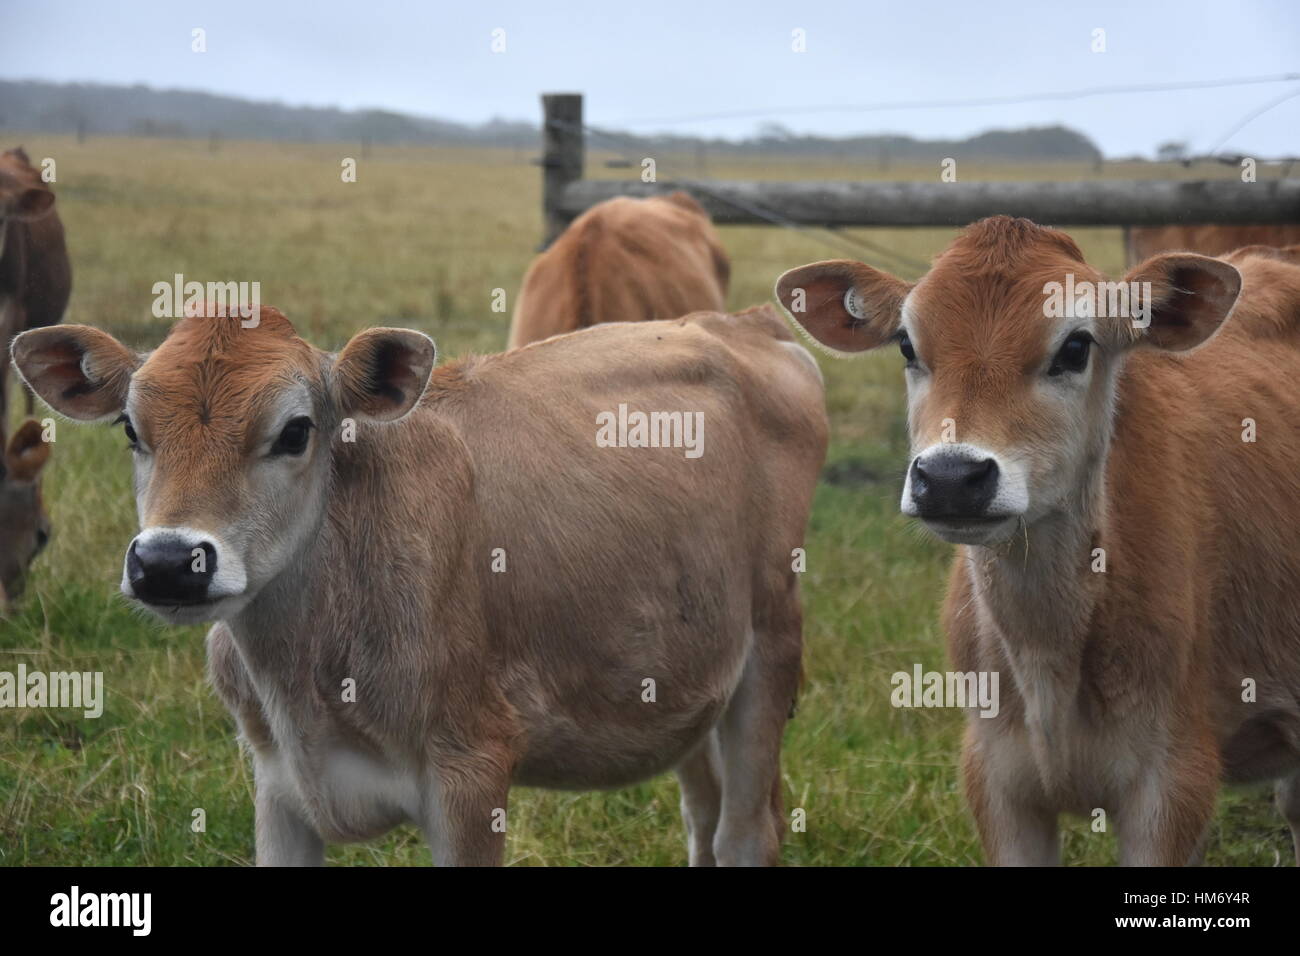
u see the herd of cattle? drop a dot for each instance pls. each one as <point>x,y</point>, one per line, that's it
<point>428,583</point>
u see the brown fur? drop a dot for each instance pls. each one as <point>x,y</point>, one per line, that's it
<point>622,564</point>
<point>24,525</point>
<point>208,380</point>
<point>35,281</point>
<point>35,276</point>
<point>1143,242</point>
<point>625,260</point>
<point>1120,690</point>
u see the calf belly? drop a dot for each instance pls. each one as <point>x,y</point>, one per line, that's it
<point>563,755</point>
<point>613,691</point>
<point>631,709</point>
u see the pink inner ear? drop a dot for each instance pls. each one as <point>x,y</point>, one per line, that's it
<point>382,373</point>
<point>827,318</point>
<point>393,377</point>
<point>63,368</point>
<point>390,377</point>
<point>1195,306</point>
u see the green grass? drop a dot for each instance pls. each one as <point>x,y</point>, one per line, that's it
<point>421,240</point>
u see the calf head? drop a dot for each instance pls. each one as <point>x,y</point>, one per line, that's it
<point>231,428</point>
<point>23,194</point>
<point>1011,345</point>
<point>24,525</point>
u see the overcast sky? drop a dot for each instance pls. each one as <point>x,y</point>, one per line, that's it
<point>669,61</point>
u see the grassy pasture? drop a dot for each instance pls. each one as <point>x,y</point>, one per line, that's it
<point>421,240</point>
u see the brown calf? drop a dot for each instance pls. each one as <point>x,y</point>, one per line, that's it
<point>623,261</point>
<point>35,277</point>
<point>1143,242</point>
<point>433,583</point>
<point>24,526</point>
<point>1123,491</point>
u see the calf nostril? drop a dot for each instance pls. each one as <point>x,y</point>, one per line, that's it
<point>134,566</point>
<point>204,563</point>
<point>919,477</point>
<point>981,472</point>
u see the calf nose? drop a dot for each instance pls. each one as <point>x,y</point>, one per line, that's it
<point>170,570</point>
<point>953,486</point>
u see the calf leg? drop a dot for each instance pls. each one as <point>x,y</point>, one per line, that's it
<point>750,736</point>
<point>1016,826</point>
<point>700,778</point>
<point>1163,821</point>
<point>283,835</point>
<point>1288,801</point>
<point>465,813</point>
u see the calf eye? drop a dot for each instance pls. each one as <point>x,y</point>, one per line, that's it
<point>293,439</point>
<point>1072,355</point>
<point>130,432</point>
<point>905,346</point>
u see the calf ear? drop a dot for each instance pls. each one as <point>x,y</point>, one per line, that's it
<point>32,204</point>
<point>79,371</point>
<point>1189,298</point>
<point>27,452</point>
<point>383,372</point>
<point>844,305</point>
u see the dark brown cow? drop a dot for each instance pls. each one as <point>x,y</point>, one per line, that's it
<point>24,526</point>
<point>35,277</point>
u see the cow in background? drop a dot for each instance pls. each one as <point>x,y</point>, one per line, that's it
<point>24,526</point>
<point>35,276</point>
<point>624,260</point>
<point>1143,242</point>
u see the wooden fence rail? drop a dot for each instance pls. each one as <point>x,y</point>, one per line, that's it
<point>820,203</point>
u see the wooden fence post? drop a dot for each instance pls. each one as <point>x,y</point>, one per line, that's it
<point>562,157</point>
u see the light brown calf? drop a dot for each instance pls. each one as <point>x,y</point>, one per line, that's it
<point>433,583</point>
<point>624,260</point>
<point>1143,242</point>
<point>1123,489</point>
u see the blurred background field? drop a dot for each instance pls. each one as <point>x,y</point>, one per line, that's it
<point>421,240</point>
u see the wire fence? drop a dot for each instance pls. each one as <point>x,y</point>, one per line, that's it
<point>840,241</point>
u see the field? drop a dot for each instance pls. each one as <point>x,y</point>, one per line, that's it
<point>421,240</point>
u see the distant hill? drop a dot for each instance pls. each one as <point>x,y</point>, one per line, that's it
<point>142,111</point>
